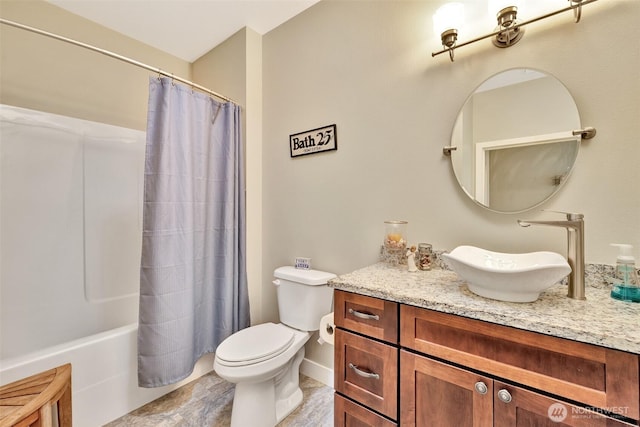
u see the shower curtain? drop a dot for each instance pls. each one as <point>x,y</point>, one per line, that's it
<point>193,283</point>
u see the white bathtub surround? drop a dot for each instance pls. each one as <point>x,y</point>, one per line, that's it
<point>71,198</point>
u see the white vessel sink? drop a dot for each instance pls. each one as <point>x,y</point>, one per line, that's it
<point>507,277</point>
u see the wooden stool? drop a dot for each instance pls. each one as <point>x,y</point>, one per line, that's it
<point>29,401</point>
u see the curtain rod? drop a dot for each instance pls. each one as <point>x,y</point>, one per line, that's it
<point>116,56</point>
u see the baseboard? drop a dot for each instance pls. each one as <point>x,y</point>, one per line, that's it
<point>317,371</point>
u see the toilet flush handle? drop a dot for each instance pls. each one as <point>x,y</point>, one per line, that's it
<point>276,282</point>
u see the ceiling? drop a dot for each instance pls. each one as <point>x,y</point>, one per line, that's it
<point>185,28</point>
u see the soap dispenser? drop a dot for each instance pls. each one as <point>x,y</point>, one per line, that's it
<point>626,286</point>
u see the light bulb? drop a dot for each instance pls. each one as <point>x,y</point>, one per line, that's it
<point>448,16</point>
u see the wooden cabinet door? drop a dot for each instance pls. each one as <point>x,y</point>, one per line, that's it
<point>436,394</point>
<point>517,407</point>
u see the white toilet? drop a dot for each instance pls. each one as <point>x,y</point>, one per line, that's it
<point>264,360</point>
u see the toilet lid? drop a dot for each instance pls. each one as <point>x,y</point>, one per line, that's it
<point>254,344</point>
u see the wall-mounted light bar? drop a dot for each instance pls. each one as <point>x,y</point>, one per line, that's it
<point>508,32</point>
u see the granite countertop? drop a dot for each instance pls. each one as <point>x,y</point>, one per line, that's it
<point>600,320</point>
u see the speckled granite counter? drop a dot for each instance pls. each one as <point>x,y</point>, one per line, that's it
<point>599,320</point>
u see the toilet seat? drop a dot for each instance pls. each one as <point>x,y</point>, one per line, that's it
<point>255,344</point>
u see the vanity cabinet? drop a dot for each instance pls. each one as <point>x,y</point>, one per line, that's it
<point>501,376</point>
<point>401,364</point>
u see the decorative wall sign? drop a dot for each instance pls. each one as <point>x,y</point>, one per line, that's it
<point>313,141</point>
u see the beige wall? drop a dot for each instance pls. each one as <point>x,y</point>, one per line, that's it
<point>367,66</point>
<point>49,75</point>
<point>235,69</point>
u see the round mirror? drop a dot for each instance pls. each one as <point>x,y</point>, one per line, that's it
<point>514,142</point>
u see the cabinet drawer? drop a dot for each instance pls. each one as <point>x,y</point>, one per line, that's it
<point>367,371</point>
<point>593,375</point>
<point>366,315</point>
<point>350,414</point>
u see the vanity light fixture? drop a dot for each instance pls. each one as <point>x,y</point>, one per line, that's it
<point>509,30</point>
<point>510,33</point>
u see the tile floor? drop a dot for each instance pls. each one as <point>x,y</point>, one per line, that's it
<point>206,402</point>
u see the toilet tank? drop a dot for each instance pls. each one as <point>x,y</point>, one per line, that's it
<point>303,296</point>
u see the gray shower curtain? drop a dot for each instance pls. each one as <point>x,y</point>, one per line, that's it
<point>193,282</point>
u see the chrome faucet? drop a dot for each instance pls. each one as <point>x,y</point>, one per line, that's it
<point>575,249</point>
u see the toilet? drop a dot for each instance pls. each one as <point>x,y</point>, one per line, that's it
<point>264,360</point>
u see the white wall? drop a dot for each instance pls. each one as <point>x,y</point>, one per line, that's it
<point>367,66</point>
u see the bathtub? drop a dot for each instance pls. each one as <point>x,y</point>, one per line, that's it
<point>70,239</point>
<point>104,374</point>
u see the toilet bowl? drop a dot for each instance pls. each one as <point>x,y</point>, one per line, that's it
<point>267,349</point>
<point>264,360</point>
<point>269,384</point>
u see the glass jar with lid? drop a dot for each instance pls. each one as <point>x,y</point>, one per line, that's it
<point>425,256</point>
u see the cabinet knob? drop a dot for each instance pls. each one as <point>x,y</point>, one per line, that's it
<point>366,316</point>
<point>504,396</point>
<point>481,387</point>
